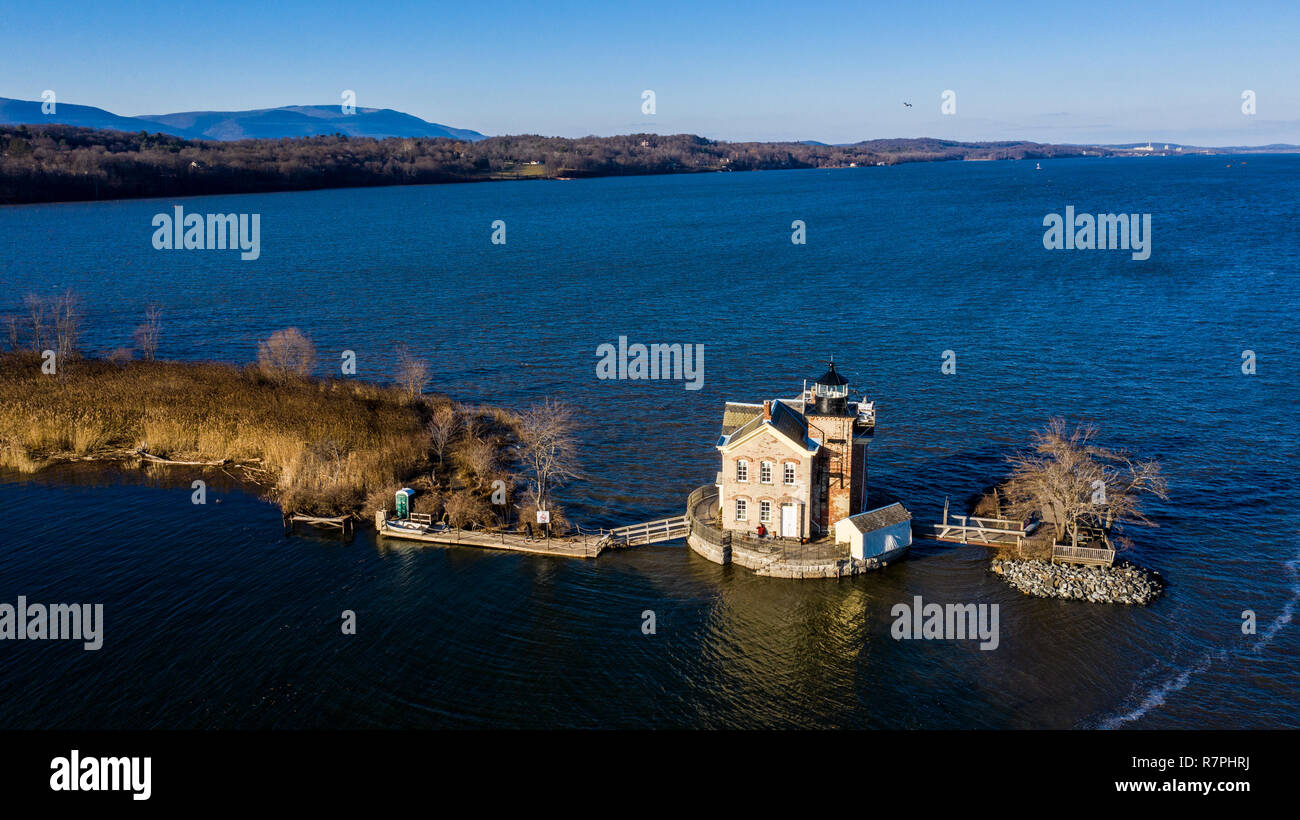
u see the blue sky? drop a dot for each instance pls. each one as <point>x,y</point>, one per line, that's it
<point>836,72</point>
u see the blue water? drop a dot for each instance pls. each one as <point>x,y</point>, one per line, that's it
<point>215,620</point>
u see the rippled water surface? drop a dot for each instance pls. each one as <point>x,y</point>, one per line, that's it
<point>214,619</point>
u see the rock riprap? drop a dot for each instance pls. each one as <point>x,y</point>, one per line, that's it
<point>1120,584</point>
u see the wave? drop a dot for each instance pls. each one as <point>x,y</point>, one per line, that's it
<point>1155,698</point>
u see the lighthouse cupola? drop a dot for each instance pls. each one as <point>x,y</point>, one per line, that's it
<point>831,394</point>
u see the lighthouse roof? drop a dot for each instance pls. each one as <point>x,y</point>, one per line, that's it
<point>831,378</point>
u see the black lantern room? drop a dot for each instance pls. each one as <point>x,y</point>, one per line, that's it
<point>831,394</point>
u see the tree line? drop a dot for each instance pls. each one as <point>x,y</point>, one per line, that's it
<point>50,163</point>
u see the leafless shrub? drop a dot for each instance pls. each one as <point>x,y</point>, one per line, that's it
<point>146,335</point>
<point>527,510</point>
<point>466,508</point>
<point>121,356</point>
<point>476,460</point>
<point>287,353</point>
<point>413,374</point>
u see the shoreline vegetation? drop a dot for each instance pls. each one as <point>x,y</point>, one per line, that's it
<point>54,163</point>
<point>327,447</point>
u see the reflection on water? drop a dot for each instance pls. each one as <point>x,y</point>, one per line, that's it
<point>219,621</point>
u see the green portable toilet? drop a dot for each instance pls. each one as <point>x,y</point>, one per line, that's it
<point>403,505</point>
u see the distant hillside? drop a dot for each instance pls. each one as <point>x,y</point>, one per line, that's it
<point>306,121</point>
<point>265,123</point>
<point>23,112</point>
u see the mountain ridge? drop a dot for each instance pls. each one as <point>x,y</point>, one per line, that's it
<point>225,126</point>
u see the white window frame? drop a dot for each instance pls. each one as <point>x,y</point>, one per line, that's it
<point>742,470</point>
<point>742,509</point>
<point>790,473</point>
<point>765,511</point>
<point>764,469</point>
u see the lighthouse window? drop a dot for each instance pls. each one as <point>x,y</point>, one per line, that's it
<point>789,472</point>
<point>742,470</point>
<point>765,512</point>
<point>765,472</point>
<point>742,511</point>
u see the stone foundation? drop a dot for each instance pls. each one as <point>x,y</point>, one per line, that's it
<point>764,564</point>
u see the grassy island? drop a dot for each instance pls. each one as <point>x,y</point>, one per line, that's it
<point>319,446</point>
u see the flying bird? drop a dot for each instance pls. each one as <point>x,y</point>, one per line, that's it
<point>908,104</point>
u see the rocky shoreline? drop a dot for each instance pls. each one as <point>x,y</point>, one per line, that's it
<point>1121,584</point>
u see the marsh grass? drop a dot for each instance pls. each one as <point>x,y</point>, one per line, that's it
<point>320,446</point>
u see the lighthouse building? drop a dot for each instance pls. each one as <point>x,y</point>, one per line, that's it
<point>795,466</point>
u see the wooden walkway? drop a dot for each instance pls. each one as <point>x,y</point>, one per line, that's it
<point>984,532</point>
<point>579,546</point>
<point>652,532</point>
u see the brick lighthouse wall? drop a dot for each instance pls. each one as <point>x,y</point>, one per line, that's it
<point>840,498</point>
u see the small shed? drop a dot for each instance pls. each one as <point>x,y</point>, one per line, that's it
<point>873,533</point>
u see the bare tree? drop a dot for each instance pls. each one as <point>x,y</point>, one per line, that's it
<point>442,429</point>
<point>288,352</point>
<point>412,373</point>
<point>547,448</point>
<point>1069,479</point>
<point>146,335</point>
<point>66,312</point>
<point>38,326</point>
<point>13,329</point>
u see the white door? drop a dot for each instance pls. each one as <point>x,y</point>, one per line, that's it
<point>790,520</point>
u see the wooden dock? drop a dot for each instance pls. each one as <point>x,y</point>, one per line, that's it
<point>1002,532</point>
<point>573,546</point>
<point>344,523</point>
<point>576,545</point>
<point>969,529</point>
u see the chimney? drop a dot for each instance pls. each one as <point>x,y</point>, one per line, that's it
<point>767,410</point>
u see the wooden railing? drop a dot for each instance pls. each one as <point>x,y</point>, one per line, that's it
<point>1082,555</point>
<point>665,529</point>
<point>968,528</point>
